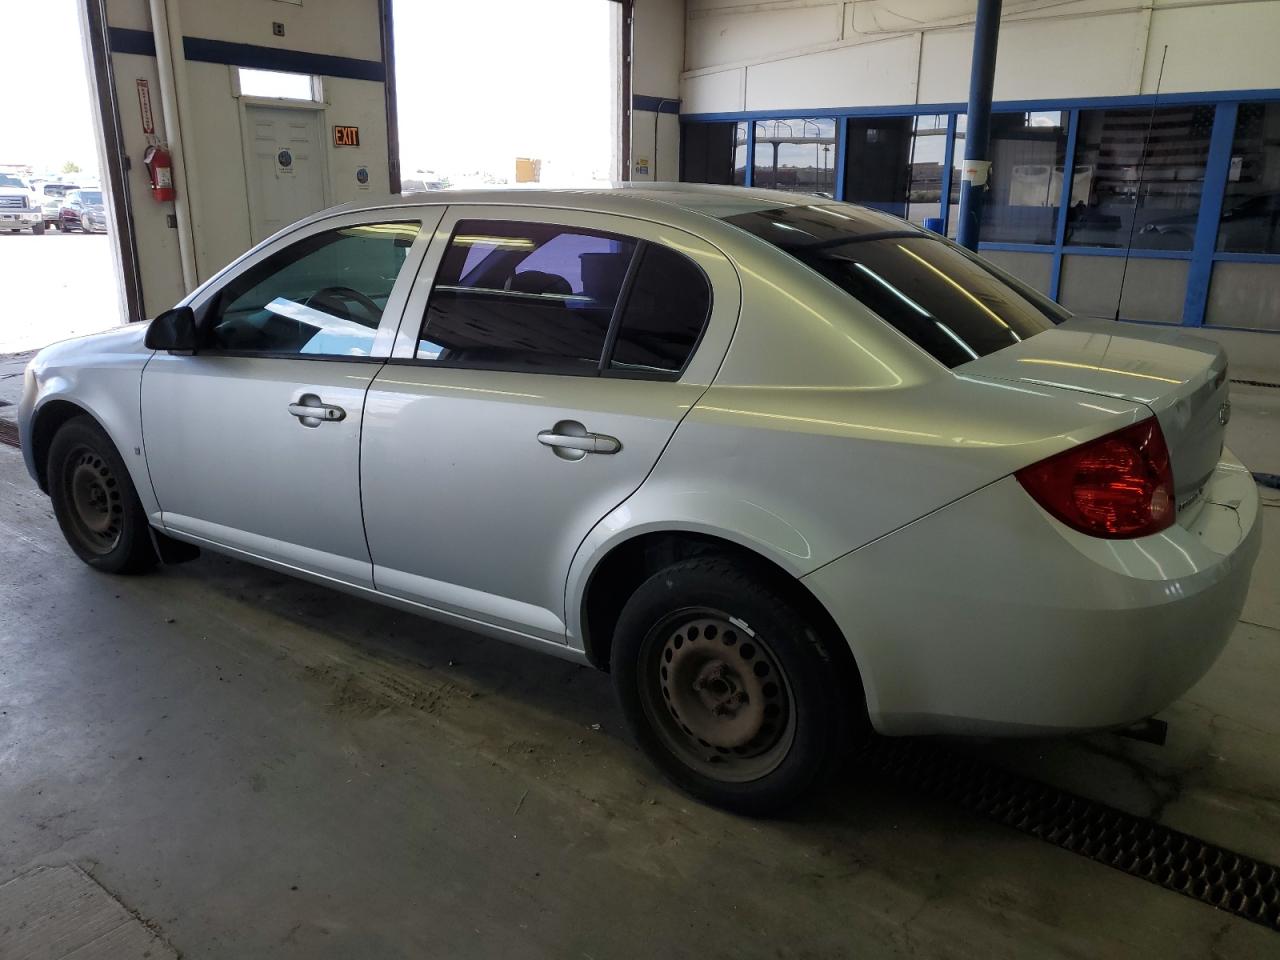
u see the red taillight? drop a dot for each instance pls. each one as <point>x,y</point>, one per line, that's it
<point>1117,486</point>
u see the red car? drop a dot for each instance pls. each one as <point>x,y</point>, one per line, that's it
<point>81,210</point>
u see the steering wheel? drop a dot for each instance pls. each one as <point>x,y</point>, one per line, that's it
<point>335,300</point>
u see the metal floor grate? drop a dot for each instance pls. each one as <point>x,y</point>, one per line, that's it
<point>9,433</point>
<point>1140,847</point>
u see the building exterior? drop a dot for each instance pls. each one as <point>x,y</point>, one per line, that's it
<point>1135,145</point>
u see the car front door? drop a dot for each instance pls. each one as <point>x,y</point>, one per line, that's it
<point>253,442</point>
<point>532,387</point>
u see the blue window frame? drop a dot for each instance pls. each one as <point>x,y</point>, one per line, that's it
<point>1203,186</point>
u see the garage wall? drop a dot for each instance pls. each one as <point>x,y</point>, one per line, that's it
<point>657,60</point>
<point>323,37</point>
<point>805,55</point>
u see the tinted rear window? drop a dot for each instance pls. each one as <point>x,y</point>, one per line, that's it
<point>950,304</point>
<point>665,313</point>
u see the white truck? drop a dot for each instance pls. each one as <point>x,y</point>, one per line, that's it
<point>19,208</point>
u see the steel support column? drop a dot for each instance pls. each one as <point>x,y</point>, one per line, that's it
<point>977,139</point>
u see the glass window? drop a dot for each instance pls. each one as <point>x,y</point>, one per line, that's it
<point>524,296</point>
<point>876,162</point>
<point>740,154</point>
<point>666,309</point>
<point>273,83</point>
<point>957,164</point>
<point>895,164</point>
<point>1139,173</point>
<point>946,301</point>
<point>1251,208</point>
<point>796,155</point>
<point>1028,151</point>
<point>713,152</point>
<point>323,295</point>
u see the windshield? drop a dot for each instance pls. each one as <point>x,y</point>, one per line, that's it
<point>952,304</point>
<point>10,181</point>
<point>91,196</point>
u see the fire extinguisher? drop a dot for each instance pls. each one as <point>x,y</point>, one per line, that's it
<point>160,170</point>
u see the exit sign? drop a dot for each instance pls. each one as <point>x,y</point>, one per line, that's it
<point>346,136</point>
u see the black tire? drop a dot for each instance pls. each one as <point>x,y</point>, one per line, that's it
<point>38,229</point>
<point>95,501</point>
<point>767,702</point>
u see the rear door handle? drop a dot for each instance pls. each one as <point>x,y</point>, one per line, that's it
<point>572,441</point>
<point>313,411</point>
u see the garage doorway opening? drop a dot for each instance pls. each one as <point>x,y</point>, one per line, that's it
<point>502,93</point>
<point>57,266</point>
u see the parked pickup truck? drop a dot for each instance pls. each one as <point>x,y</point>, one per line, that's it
<point>18,207</point>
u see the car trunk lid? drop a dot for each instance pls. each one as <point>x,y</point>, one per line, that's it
<point>1181,378</point>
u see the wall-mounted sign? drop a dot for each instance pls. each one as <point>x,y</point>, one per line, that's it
<point>284,162</point>
<point>362,177</point>
<point>346,136</point>
<point>144,109</point>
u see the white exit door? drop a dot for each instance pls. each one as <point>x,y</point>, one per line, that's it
<point>284,160</point>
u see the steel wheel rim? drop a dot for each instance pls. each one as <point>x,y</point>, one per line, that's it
<point>717,696</point>
<point>96,505</point>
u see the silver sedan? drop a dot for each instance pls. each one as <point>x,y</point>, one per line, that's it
<point>789,469</point>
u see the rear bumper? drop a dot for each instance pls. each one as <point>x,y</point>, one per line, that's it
<point>990,617</point>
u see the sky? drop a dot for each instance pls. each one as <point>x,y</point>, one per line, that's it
<point>47,117</point>
<point>479,83</point>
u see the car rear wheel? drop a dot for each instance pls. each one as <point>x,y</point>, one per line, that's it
<point>38,229</point>
<point>95,501</point>
<point>728,687</point>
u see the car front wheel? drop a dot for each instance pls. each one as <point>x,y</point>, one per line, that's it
<point>95,501</point>
<point>728,687</point>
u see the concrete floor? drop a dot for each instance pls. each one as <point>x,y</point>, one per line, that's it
<point>257,767</point>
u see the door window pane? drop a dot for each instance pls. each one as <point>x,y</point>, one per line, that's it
<point>532,296</point>
<point>1027,154</point>
<point>1139,174</point>
<point>665,312</point>
<point>796,155</point>
<point>323,295</point>
<point>1251,208</point>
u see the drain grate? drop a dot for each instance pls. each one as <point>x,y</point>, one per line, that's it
<point>9,433</point>
<point>1140,847</point>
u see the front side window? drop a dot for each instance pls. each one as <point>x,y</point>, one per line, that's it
<point>321,296</point>
<point>950,304</point>
<point>524,296</point>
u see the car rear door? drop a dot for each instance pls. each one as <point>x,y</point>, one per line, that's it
<point>544,360</point>
<point>253,443</point>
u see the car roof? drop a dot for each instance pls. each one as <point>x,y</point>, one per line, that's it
<point>688,205</point>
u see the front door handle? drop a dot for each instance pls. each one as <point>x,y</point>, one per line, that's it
<point>313,411</point>
<point>572,441</point>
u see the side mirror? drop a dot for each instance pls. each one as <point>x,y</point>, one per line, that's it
<point>173,330</point>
